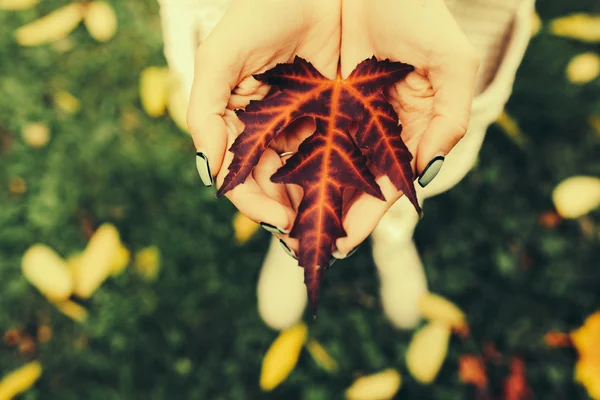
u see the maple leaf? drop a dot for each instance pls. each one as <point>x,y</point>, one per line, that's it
<point>332,159</point>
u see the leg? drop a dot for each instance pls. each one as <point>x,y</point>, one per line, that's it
<point>502,44</point>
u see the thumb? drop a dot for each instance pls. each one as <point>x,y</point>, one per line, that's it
<point>216,73</point>
<point>453,93</point>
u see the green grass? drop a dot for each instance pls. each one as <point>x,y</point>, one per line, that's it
<point>195,332</point>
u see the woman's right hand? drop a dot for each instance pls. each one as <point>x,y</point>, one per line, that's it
<point>252,37</point>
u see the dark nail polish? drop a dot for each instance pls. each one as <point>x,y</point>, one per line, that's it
<point>273,229</point>
<point>287,249</point>
<point>431,171</point>
<point>204,169</point>
<point>332,261</point>
<point>351,252</point>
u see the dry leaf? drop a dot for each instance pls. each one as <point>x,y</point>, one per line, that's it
<point>100,20</point>
<point>549,219</point>
<point>557,339</point>
<point>17,4</point>
<point>471,370</point>
<point>583,68</point>
<point>67,102</point>
<point>54,26</point>
<point>48,272</point>
<point>96,262</point>
<point>380,386</point>
<point>579,26</point>
<point>20,380</point>
<point>282,356</point>
<point>427,351</point>
<point>72,310</point>
<point>515,386</point>
<point>436,308</point>
<point>243,227</point>
<point>576,196</point>
<point>147,262</point>
<point>44,334</point>
<point>321,357</point>
<point>36,134</point>
<point>154,85</point>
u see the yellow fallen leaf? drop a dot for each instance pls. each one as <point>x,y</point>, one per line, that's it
<point>67,102</point>
<point>595,123</point>
<point>17,4</point>
<point>20,380</point>
<point>96,262</point>
<point>122,257</point>
<point>56,25</point>
<point>511,128</point>
<point>72,310</point>
<point>380,386</point>
<point>321,357</point>
<point>36,134</point>
<point>282,356</point>
<point>583,68</point>
<point>436,308</point>
<point>243,227</point>
<point>154,84</point>
<point>576,196</point>
<point>48,272</point>
<point>100,20</point>
<point>17,186</point>
<point>579,26</point>
<point>427,351</point>
<point>147,262</point>
<point>536,23</point>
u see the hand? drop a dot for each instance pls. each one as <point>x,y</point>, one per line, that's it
<point>433,102</point>
<point>252,37</point>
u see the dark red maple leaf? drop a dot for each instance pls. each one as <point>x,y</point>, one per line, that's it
<point>332,159</point>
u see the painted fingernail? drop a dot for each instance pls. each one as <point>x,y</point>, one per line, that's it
<point>431,171</point>
<point>274,229</point>
<point>340,256</point>
<point>204,169</point>
<point>332,261</point>
<point>287,249</point>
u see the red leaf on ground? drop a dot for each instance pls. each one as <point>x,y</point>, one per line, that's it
<point>332,159</point>
<point>515,386</point>
<point>471,370</point>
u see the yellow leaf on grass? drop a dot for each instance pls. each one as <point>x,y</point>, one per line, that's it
<point>56,25</point>
<point>20,380</point>
<point>437,308</point>
<point>100,20</point>
<point>72,310</point>
<point>154,84</point>
<point>67,102</point>
<point>579,26</point>
<point>120,261</point>
<point>282,356</point>
<point>321,357</point>
<point>17,4</point>
<point>147,262</point>
<point>380,386</point>
<point>48,272</point>
<point>96,262</point>
<point>511,128</point>
<point>36,134</point>
<point>243,227</point>
<point>576,196</point>
<point>427,351</point>
<point>583,68</point>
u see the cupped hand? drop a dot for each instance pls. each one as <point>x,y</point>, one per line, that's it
<point>433,102</point>
<point>252,37</point>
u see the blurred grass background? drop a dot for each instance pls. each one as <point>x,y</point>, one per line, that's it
<point>194,332</point>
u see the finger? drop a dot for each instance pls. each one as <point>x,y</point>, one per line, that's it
<point>216,73</point>
<point>453,83</point>
<point>364,214</point>
<point>268,164</point>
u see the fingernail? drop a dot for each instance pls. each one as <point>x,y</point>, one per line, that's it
<point>274,229</point>
<point>287,249</point>
<point>340,256</point>
<point>332,261</point>
<point>431,171</point>
<point>204,169</point>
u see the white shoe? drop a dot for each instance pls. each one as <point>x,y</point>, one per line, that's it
<point>281,291</point>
